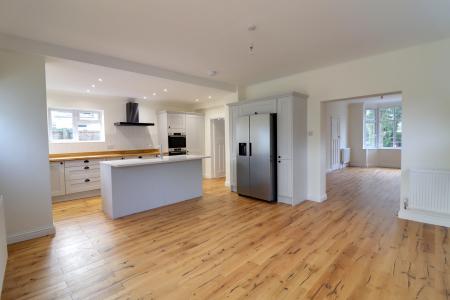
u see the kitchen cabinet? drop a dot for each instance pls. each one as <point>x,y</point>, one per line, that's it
<point>82,175</point>
<point>259,107</point>
<point>58,185</point>
<point>195,134</point>
<point>176,121</point>
<point>284,179</point>
<point>284,128</point>
<point>190,124</point>
<point>292,142</point>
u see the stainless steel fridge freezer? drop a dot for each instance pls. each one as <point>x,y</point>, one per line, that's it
<point>256,156</point>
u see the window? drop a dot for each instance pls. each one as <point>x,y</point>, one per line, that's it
<point>383,127</point>
<point>67,125</point>
<point>370,130</point>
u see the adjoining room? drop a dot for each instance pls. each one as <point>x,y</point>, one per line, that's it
<point>224,150</point>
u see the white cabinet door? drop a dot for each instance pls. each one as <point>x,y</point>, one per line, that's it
<point>57,178</point>
<point>284,128</point>
<point>195,133</point>
<point>260,107</point>
<point>176,121</point>
<point>284,177</point>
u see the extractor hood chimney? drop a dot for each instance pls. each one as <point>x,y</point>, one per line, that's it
<point>133,116</point>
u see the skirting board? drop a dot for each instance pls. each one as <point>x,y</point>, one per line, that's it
<point>2,272</point>
<point>74,196</point>
<point>425,217</point>
<point>227,183</point>
<point>31,235</point>
<point>317,198</point>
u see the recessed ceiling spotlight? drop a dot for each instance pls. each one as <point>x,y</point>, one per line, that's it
<point>88,91</point>
<point>209,97</point>
<point>165,90</point>
<point>196,100</point>
<point>93,85</point>
<point>252,27</point>
<point>212,73</point>
<point>100,80</point>
<point>145,97</point>
<point>154,94</point>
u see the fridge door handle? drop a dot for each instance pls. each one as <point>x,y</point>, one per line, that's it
<point>249,149</point>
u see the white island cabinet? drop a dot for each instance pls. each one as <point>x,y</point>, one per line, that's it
<point>136,185</point>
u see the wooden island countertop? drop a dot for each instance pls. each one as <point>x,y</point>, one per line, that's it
<point>57,157</point>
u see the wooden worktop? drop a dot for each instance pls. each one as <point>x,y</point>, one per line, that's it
<point>100,154</point>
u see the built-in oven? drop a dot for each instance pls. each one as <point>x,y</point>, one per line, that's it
<point>178,151</point>
<point>177,140</point>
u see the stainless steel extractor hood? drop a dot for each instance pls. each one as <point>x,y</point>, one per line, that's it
<point>133,116</point>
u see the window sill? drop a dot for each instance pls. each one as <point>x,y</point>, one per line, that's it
<point>382,148</point>
<point>75,142</point>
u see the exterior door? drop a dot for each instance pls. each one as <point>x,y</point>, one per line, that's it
<point>335,143</point>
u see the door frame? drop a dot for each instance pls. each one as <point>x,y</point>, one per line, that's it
<point>212,144</point>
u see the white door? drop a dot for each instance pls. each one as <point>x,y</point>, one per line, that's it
<point>58,185</point>
<point>284,179</point>
<point>284,128</point>
<point>335,143</point>
<point>218,147</point>
<point>195,133</point>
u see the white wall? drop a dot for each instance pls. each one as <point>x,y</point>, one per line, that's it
<point>116,137</point>
<point>3,249</point>
<point>335,109</point>
<point>24,169</point>
<point>420,73</point>
<point>356,131</point>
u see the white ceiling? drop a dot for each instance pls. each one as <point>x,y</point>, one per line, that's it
<point>75,77</point>
<point>195,36</point>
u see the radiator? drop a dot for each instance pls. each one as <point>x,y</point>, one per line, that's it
<point>429,190</point>
<point>345,156</point>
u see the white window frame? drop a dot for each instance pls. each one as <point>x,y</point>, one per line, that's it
<point>378,137</point>
<point>76,122</point>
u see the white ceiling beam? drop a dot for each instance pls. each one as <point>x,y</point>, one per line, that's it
<point>15,43</point>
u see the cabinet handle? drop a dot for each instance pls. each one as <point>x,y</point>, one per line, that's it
<point>279,161</point>
<point>61,163</point>
<point>87,180</point>
<point>279,156</point>
<point>139,156</point>
<point>86,161</point>
<point>86,168</point>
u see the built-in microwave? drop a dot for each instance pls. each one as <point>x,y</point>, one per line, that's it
<point>177,140</point>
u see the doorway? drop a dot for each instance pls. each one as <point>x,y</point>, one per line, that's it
<point>218,148</point>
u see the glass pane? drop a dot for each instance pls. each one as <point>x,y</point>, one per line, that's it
<point>387,134</point>
<point>62,125</point>
<point>387,114</point>
<point>370,141</point>
<point>370,114</point>
<point>89,116</point>
<point>89,132</point>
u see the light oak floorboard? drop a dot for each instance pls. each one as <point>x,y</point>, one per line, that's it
<point>224,246</point>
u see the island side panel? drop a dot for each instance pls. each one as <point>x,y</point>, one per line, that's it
<point>106,189</point>
<point>140,188</point>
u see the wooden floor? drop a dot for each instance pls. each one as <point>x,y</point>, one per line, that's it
<point>223,246</point>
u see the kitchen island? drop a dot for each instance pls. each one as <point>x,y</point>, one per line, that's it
<point>136,185</point>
